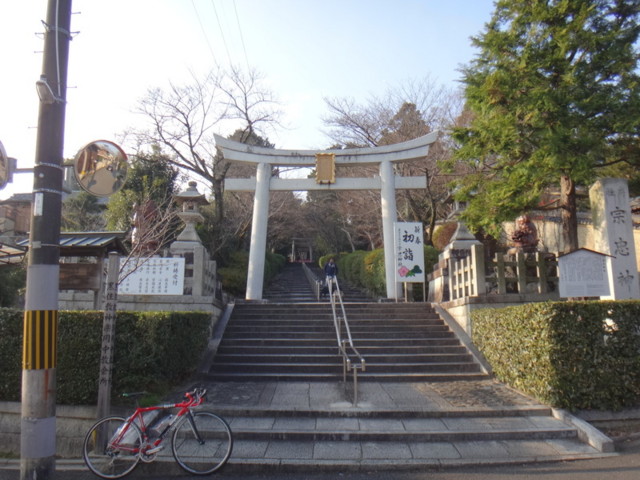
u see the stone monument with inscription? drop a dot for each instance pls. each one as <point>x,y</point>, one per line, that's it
<point>613,235</point>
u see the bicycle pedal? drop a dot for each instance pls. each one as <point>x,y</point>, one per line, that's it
<point>153,451</point>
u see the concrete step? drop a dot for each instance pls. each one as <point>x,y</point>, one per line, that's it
<point>372,359</point>
<point>290,427</point>
<point>328,376</point>
<point>311,340</point>
<point>360,336</point>
<point>334,365</point>
<point>296,324</point>
<point>455,349</point>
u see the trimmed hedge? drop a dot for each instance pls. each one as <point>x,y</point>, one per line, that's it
<point>366,270</point>
<point>573,355</point>
<point>153,351</point>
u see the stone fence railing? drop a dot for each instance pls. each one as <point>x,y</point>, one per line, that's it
<point>470,275</point>
<point>464,280</point>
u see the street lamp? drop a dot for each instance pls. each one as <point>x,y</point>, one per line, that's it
<point>45,93</point>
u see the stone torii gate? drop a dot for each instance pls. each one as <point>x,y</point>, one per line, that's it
<point>263,183</point>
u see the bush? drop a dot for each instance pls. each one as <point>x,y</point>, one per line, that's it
<point>374,279</point>
<point>13,279</point>
<point>10,353</point>
<point>153,351</point>
<point>274,263</point>
<point>234,275</point>
<point>442,235</point>
<point>366,270</point>
<point>574,355</point>
<point>352,267</point>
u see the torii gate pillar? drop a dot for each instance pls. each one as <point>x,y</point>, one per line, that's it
<point>255,275</point>
<point>263,183</point>
<point>389,216</point>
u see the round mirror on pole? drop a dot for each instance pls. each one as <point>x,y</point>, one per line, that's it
<point>101,168</point>
<point>4,167</point>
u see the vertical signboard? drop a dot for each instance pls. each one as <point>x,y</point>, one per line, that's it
<point>409,252</point>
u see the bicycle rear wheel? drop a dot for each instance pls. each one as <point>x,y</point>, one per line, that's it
<point>108,451</point>
<point>205,446</point>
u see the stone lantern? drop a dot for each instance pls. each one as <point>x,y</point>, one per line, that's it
<point>200,270</point>
<point>190,200</point>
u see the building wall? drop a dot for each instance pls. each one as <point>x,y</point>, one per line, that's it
<point>15,219</point>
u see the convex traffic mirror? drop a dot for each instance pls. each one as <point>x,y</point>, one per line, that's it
<point>100,168</point>
<point>4,167</point>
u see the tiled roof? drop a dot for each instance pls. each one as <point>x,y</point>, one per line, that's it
<point>11,253</point>
<point>88,243</point>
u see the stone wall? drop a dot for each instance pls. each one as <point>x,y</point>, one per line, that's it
<point>84,300</point>
<point>72,424</point>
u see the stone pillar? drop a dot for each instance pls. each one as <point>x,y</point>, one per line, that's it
<point>255,274</point>
<point>389,216</point>
<point>613,235</point>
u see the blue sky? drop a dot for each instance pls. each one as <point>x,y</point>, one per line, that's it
<point>306,49</point>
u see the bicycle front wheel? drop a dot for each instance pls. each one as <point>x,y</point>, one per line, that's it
<point>111,448</point>
<point>203,446</point>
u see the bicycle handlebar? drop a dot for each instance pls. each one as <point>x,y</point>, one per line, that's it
<point>196,395</point>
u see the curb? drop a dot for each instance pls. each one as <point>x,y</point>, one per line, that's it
<point>261,465</point>
<point>586,432</point>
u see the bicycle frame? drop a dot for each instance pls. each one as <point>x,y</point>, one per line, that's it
<point>137,417</point>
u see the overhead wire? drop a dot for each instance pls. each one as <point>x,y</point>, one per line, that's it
<point>222,35</point>
<point>224,40</point>
<point>244,48</point>
<point>204,32</point>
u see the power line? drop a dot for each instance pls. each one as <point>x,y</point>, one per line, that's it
<point>204,32</point>
<point>224,41</point>
<point>244,49</point>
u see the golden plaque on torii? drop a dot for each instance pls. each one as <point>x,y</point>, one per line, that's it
<point>325,168</point>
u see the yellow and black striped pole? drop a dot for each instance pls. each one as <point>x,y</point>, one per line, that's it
<point>40,336</point>
<point>38,423</point>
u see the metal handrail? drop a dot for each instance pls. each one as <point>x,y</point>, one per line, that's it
<point>314,283</point>
<point>347,364</point>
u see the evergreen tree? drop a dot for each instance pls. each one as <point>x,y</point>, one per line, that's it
<point>554,93</point>
<point>151,179</point>
<point>82,212</point>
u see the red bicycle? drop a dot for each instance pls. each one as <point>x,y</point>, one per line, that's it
<point>201,442</point>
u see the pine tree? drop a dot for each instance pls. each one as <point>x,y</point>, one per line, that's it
<point>554,93</point>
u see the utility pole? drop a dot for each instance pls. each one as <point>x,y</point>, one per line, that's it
<point>38,426</point>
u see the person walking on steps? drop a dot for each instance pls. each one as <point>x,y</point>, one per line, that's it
<point>330,272</point>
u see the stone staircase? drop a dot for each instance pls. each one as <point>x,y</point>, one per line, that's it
<point>289,342</point>
<point>424,401</point>
<point>291,286</point>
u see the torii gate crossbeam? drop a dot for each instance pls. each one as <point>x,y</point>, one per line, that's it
<point>262,184</point>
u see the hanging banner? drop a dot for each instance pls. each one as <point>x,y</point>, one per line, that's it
<point>409,250</point>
